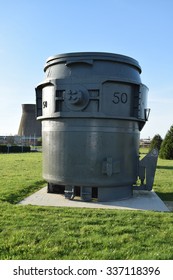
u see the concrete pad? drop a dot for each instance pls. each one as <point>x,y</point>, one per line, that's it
<point>141,200</point>
<point>169,204</point>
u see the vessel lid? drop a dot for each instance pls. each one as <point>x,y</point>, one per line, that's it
<point>91,56</point>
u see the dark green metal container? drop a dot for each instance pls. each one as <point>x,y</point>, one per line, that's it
<point>92,107</point>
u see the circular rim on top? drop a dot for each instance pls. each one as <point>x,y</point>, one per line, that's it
<point>92,56</point>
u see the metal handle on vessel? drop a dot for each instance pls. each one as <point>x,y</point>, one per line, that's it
<point>147,113</point>
<point>86,61</point>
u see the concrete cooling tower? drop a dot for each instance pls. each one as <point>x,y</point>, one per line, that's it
<point>28,124</point>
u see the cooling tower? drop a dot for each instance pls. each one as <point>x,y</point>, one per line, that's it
<point>28,124</point>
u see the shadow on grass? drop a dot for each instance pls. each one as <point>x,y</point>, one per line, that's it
<point>16,197</point>
<point>165,196</point>
<point>165,167</point>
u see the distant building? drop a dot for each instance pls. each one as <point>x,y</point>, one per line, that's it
<point>145,142</point>
<point>29,127</point>
<point>29,132</point>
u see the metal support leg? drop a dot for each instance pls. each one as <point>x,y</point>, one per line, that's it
<point>86,193</point>
<point>69,192</point>
<point>147,168</point>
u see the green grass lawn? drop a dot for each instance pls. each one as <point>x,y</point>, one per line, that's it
<point>32,232</point>
<point>163,183</point>
<point>20,175</point>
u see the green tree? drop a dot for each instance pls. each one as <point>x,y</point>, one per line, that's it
<point>156,142</point>
<point>166,150</point>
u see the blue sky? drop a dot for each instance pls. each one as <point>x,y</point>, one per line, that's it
<point>31,31</point>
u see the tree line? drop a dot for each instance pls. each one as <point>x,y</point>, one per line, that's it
<point>164,146</point>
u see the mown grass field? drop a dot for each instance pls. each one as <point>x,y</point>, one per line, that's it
<point>32,232</point>
<point>163,183</point>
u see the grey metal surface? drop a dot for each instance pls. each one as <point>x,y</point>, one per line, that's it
<point>92,107</point>
<point>147,168</point>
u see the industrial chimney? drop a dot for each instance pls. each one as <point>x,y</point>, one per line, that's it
<point>28,124</point>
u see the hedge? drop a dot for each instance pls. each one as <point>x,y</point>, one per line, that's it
<point>14,149</point>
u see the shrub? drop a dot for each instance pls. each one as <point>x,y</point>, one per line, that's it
<point>156,142</point>
<point>14,149</point>
<point>3,149</point>
<point>166,150</point>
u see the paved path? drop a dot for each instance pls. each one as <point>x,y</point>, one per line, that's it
<point>141,200</point>
<point>169,204</point>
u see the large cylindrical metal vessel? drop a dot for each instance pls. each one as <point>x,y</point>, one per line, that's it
<point>92,107</point>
